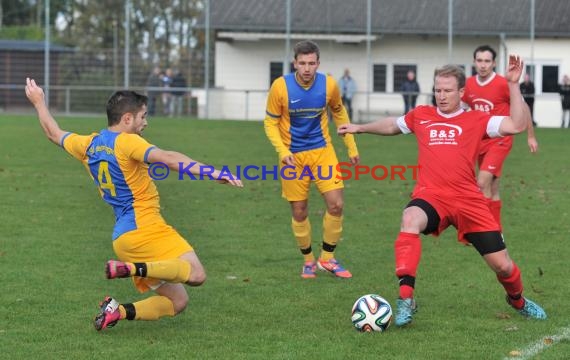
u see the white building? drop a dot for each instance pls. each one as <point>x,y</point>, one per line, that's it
<point>251,47</point>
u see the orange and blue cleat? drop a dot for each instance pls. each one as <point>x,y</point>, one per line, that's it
<point>332,266</point>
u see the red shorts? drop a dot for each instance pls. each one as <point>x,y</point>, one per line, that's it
<point>468,213</point>
<point>493,153</point>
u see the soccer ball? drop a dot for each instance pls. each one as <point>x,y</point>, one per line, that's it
<point>371,313</point>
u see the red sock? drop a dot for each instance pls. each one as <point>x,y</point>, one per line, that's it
<point>513,286</point>
<point>406,292</point>
<point>408,251</point>
<point>495,206</point>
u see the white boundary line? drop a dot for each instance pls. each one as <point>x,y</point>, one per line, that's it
<point>542,344</point>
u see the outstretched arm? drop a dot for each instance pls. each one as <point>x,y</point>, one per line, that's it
<point>518,120</point>
<point>387,126</point>
<point>36,96</point>
<point>531,138</point>
<point>174,160</point>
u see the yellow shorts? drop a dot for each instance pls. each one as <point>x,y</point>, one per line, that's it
<point>154,242</point>
<point>318,166</point>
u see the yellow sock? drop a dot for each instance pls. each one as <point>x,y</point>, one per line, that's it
<point>122,312</point>
<point>302,232</point>
<point>173,270</point>
<point>152,308</point>
<point>332,230</point>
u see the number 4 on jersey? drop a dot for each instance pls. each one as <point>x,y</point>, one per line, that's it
<point>105,180</point>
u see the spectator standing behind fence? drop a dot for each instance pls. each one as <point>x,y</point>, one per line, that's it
<point>153,82</point>
<point>166,94</point>
<point>347,87</point>
<point>564,91</point>
<point>178,94</point>
<point>410,90</point>
<point>527,90</point>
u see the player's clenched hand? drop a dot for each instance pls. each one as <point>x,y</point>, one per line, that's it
<point>347,129</point>
<point>34,93</point>
<point>288,160</point>
<point>355,160</point>
<point>532,145</point>
<point>516,66</point>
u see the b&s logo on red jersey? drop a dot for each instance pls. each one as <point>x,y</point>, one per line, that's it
<point>483,105</point>
<point>443,134</point>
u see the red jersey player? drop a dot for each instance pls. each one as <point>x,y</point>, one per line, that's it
<point>446,192</point>
<point>489,92</point>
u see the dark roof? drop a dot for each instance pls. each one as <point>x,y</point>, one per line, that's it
<point>28,45</point>
<point>470,17</point>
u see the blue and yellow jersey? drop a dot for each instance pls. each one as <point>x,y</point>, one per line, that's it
<point>296,117</point>
<point>117,164</point>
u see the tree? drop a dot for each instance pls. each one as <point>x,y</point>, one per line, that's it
<point>161,32</point>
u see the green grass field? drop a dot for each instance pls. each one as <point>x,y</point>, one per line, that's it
<point>56,238</point>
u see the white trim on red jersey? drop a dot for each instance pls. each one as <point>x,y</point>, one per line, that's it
<point>483,83</point>
<point>493,126</point>
<point>401,122</point>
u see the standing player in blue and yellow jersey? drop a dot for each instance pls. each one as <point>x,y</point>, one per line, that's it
<point>150,251</point>
<point>296,123</point>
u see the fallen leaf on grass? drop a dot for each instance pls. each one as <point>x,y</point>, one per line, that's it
<point>502,316</point>
<point>515,353</point>
<point>548,341</point>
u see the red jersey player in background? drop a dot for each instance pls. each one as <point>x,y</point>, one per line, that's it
<point>446,192</point>
<point>488,91</point>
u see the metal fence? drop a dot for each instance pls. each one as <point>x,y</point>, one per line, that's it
<point>81,81</point>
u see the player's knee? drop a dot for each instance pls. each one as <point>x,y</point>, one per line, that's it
<point>200,279</point>
<point>495,189</point>
<point>335,208</point>
<point>411,221</point>
<point>197,277</point>
<point>407,219</point>
<point>484,184</point>
<point>300,213</point>
<point>180,302</point>
<point>503,268</point>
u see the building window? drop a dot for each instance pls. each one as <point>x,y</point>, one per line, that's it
<point>545,75</point>
<point>276,70</point>
<point>379,77</point>
<point>529,69</point>
<point>401,74</point>
<point>550,78</point>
